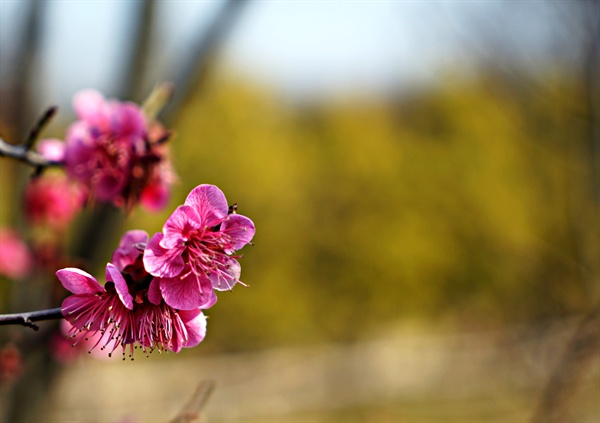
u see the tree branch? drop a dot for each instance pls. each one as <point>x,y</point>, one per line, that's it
<point>192,411</point>
<point>562,386</point>
<point>28,318</point>
<point>21,153</point>
<point>189,74</point>
<point>41,123</point>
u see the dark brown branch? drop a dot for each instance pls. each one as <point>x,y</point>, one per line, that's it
<point>39,126</point>
<point>23,152</point>
<point>28,318</point>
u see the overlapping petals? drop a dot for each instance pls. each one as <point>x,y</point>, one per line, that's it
<point>195,249</point>
<point>16,261</point>
<point>156,288</point>
<point>52,201</point>
<point>128,309</point>
<point>112,151</point>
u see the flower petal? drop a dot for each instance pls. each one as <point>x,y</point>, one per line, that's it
<point>159,261</point>
<point>186,293</point>
<point>155,196</point>
<point>240,229</point>
<point>178,227</point>
<point>74,306</point>
<point>154,295</point>
<point>127,119</point>
<point>91,107</point>
<point>52,149</point>
<point>114,275</point>
<point>210,204</point>
<point>128,250</point>
<point>232,270</point>
<point>77,281</point>
<point>195,323</point>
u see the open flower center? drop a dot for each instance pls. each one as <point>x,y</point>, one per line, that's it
<point>206,253</point>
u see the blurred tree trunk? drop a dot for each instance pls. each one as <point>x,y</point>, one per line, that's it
<point>584,347</point>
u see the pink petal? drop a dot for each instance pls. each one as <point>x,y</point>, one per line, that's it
<point>154,295</point>
<point>195,323</point>
<point>127,119</point>
<point>108,186</point>
<point>114,275</point>
<point>179,335</point>
<point>186,293</point>
<point>159,261</point>
<point>155,196</point>
<point>91,107</point>
<point>210,204</point>
<point>178,227</point>
<point>221,283</point>
<point>15,259</point>
<point>128,249</point>
<point>131,238</point>
<point>240,229</point>
<point>211,301</point>
<point>71,309</point>
<point>77,281</point>
<point>52,149</point>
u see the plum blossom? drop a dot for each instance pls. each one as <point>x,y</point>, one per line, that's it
<point>11,364</point>
<point>195,249</point>
<point>128,309</point>
<point>52,200</point>
<point>114,151</point>
<point>52,150</point>
<point>16,261</point>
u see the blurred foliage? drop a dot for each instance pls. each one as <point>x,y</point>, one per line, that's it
<point>470,204</point>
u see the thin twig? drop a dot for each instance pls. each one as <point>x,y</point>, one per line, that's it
<point>140,27</point>
<point>192,410</point>
<point>23,152</point>
<point>38,127</point>
<point>562,385</point>
<point>27,318</point>
<point>24,65</point>
<point>188,76</point>
<point>158,99</point>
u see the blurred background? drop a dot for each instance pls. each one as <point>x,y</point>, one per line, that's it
<point>423,176</point>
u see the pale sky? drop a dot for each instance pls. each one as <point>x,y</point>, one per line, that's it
<point>302,48</point>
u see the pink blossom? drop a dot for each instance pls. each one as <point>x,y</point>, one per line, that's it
<point>52,200</point>
<point>15,259</point>
<point>195,249</point>
<point>11,364</point>
<point>128,310</point>
<point>52,150</point>
<point>113,152</point>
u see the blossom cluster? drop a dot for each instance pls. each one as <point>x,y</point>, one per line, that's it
<point>116,153</point>
<point>112,153</point>
<point>156,289</point>
<point>15,257</point>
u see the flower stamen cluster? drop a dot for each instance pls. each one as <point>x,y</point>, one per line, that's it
<point>195,250</point>
<point>125,312</point>
<point>116,153</point>
<point>156,288</point>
